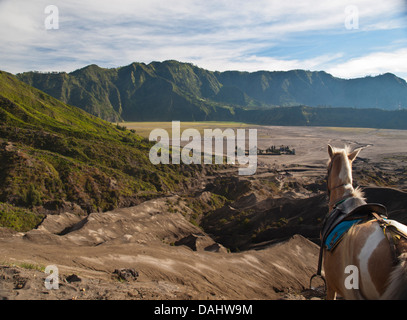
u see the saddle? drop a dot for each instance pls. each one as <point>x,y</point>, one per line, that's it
<point>342,218</point>
<point>344,215</point>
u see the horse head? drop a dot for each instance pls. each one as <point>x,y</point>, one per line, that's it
<point>339,181</point>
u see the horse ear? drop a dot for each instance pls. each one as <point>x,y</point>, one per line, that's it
<point>352,156</point>
<point>330,151</point>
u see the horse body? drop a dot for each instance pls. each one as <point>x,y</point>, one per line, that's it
<point>364,247</point>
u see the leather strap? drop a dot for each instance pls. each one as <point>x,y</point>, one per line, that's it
<point>384,225</point>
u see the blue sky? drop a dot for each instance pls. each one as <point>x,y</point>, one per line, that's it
<point>345,38</point>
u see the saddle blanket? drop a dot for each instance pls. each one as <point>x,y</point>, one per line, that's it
<point>337,233</point>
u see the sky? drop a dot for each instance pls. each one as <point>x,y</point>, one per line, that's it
<point>346,38</point>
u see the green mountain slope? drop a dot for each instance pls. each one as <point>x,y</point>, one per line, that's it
<point>172,90</point>
<point>158,91</point>
<point>55,156</point>
<point>300,87</point>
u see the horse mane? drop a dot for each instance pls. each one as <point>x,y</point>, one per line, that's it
<point>358,193</point>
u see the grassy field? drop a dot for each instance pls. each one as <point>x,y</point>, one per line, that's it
<point>144,128</point>
<point>353,130</point>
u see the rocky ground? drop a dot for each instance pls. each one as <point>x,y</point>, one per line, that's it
<point>144,239</point>
<point>232,237</point>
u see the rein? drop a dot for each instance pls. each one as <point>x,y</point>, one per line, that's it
<point>320,258</point>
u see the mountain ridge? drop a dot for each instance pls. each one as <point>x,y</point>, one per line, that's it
<point>168,90</point>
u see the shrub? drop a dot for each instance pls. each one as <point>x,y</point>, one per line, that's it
<point>33,196</point>
<point>18,219</point>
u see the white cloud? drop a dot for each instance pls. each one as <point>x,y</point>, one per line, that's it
<point>373,64</point>
<point>255,63</point>
<point>214,34</point>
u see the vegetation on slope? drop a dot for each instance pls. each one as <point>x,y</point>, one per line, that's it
<point>58,157</point>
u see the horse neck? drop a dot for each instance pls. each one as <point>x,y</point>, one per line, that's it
<point>339,194</point>
<point>342,185</point>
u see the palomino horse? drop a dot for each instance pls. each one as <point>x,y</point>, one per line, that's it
<point>365,247</point>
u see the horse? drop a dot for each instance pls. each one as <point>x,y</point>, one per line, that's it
<point>364,252</point>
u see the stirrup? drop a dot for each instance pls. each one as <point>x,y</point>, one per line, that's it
<point>315,276</point>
